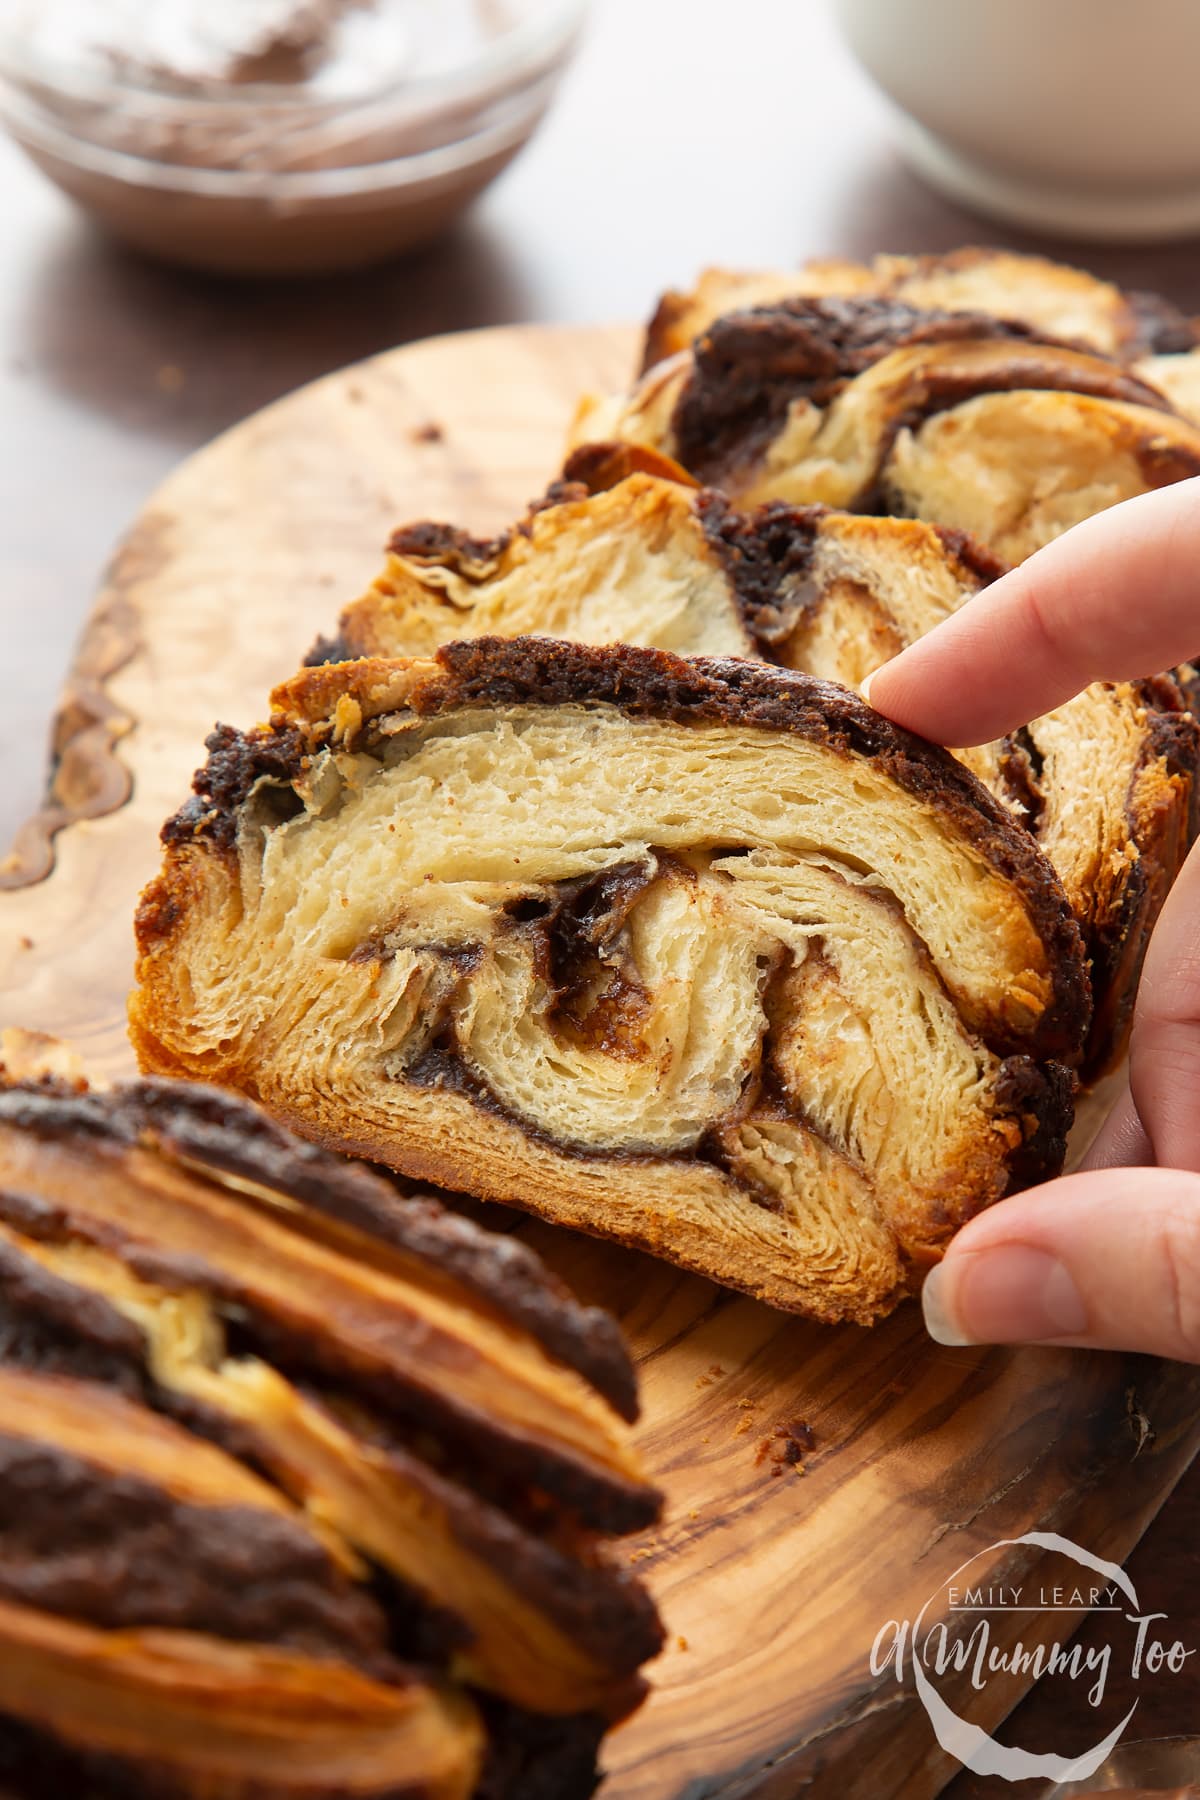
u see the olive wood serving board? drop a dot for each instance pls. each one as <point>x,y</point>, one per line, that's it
<point>773,1578</point>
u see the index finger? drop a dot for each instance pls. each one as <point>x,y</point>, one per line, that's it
<point>1116,597</point>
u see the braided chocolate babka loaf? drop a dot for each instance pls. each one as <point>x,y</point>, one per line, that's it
<point>702,955</point>
<point>874,405</point>
<point>1106,783</point>
<point>304,1486</point>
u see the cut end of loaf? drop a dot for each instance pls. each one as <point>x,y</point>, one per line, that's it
<point>702,955</point>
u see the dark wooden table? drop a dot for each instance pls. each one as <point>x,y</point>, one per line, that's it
<point>682,136</point>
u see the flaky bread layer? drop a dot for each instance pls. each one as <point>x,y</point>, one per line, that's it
<point>630,566</point>
<point>1105,783</point>
<point>604,933</point>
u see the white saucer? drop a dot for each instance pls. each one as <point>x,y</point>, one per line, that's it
<point>1131,215</point>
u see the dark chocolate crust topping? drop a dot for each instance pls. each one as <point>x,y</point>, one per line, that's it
<point>531,1758</point>
<point>225,1133</point>
<point>603,1609</point>
<point>49,1323</point>
<point>749,368</point>
<point>334,649</point>
<point>435,542</point>
<point>767,556</point>
<point>974,556</point>
<point>237,761</point>
<point>1041,1098</point>
<point>497,672</point>
<point>121,1553</point>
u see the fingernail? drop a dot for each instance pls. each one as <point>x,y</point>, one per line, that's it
<point>936,1303</point>
<point>864,687</point>
<point>1013,1294</point>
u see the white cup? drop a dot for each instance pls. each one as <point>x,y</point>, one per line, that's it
<point>1070,116</point>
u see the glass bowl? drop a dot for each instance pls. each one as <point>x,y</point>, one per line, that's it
<point>277,137</point>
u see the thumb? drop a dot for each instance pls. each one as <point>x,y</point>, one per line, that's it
<point>1108,1259</point>
<point>1122,1140</point>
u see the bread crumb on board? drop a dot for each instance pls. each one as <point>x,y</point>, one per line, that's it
<point>787,1446</point>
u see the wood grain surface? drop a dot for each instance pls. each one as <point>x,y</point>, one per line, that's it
<point>773,1577</point>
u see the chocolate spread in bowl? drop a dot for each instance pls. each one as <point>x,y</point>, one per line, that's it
<point>295,45</point>
<point>198,47</point>
<point>277,136</point>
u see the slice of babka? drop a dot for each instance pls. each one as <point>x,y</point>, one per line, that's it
<point>304,1485</point>
<point>702,955</point>
<point>876,406</point>
<point>1106,783</point>
<point>634,564</point>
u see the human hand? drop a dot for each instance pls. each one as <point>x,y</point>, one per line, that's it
<point>1108,1257</point>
